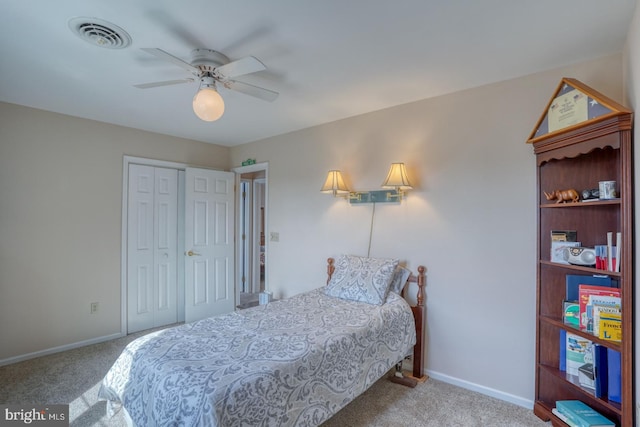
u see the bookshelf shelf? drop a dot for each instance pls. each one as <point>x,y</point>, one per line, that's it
<point>579,156</point>
<point>573,383</point>
<point>580,204</point>
<point>579,268</point>
<point>558,323</point>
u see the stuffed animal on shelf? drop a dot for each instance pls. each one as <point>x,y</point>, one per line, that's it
<point>563,196</point>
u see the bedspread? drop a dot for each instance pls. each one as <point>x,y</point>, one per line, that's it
<point>291,362</point>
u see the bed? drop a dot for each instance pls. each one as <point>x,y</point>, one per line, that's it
<point>293,362</point>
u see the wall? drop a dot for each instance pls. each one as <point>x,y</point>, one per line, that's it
<point>470,219</point>
<point>632,92</point>
<point>60,223</point>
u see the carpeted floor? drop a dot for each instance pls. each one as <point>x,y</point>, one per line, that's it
<point>73,378</point>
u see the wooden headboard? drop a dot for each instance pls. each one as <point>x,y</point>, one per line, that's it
<point>418,315</point>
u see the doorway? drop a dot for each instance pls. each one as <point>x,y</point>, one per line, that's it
<point>252,219</point>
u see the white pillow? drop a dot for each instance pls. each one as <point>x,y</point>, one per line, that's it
<point>362,279</point>
<point>400,277</point>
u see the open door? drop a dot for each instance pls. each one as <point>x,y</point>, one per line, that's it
<point>209,243</point>
<point>252,220</point>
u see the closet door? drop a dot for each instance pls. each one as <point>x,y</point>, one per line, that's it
<point>152,247</point>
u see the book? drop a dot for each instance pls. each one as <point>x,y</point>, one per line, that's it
<point>578,353</point>
<point>564,419</point>
<point>563,351</point>
<point>571,313</point>
<point>610,329</point>
<point>585,292</point>
<point>614,389</point>
<point>586,374</point>
<point>600,370</point>
<point>581,414</point>
<point>564,236</point>
<point>604,311</point>
<point>573,281</point>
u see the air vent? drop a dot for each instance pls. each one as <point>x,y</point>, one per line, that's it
<point>100,33</point>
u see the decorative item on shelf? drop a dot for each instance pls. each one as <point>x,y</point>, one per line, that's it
<point>397,183</point>
<point>580,256</point>
<point>563,196</point>
<point>249,162</point>
<point>590,194</point>
<point>560,250</point>
<point>607,190</point>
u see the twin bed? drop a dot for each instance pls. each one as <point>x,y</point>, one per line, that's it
<point>293,362</point>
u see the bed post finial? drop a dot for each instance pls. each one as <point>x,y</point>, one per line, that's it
<point>330,269</point>
<point>421,284</point>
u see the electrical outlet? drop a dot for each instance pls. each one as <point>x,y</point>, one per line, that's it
<point>94,307</point>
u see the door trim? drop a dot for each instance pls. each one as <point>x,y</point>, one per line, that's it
<point>126,161</point>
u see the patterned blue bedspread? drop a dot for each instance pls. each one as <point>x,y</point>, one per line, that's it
<point>293,362</point>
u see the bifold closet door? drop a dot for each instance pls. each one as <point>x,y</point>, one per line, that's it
<point>152,249</point>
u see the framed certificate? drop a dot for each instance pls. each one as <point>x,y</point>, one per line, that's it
<point>572,105</point>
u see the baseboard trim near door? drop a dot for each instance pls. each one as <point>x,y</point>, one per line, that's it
<point>48,351</point>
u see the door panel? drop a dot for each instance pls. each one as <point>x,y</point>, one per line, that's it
<point>151,247</point>
<point>166,246</point>
<point>209,215</point>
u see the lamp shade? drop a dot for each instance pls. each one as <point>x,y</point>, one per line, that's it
<point>334,184</point>
<point>397,178</point>
<point>208,104</point>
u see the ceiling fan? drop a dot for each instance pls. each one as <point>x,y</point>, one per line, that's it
<point>210,67</point>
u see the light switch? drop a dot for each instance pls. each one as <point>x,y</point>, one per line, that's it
<point>275,236</point>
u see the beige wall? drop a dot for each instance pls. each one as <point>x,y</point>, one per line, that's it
<point>60,223</point>
<point>470,220</point>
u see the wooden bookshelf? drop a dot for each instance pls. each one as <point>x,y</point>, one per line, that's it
<point>595,147</point>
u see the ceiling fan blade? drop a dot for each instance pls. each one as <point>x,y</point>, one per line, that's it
<point>246,65</point>
<point>165,83</point>
<point>247,89</point>
<point>173,59</point>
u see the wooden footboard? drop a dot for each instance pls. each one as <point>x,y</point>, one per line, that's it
<point>417,374</point>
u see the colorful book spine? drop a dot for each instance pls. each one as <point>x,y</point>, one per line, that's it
<point>614,391</point>
<point>601,370</point>
<point>587,291</point>
<point>610,329</point>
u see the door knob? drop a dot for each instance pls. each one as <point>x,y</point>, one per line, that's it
<point>192,253</point>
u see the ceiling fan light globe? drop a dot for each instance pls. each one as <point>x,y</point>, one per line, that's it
<point>208,105</point>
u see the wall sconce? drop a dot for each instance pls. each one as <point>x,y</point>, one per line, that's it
<point>335,184</point>
<point>397,182</point>
<point>207,103</point>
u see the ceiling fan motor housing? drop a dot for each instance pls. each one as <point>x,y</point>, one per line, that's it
<point>207,60</point>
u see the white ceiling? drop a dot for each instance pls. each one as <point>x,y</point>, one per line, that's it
<point>328,59</point>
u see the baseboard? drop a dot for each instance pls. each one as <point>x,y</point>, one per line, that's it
<point>58,349</point>
<point>517,400</point>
